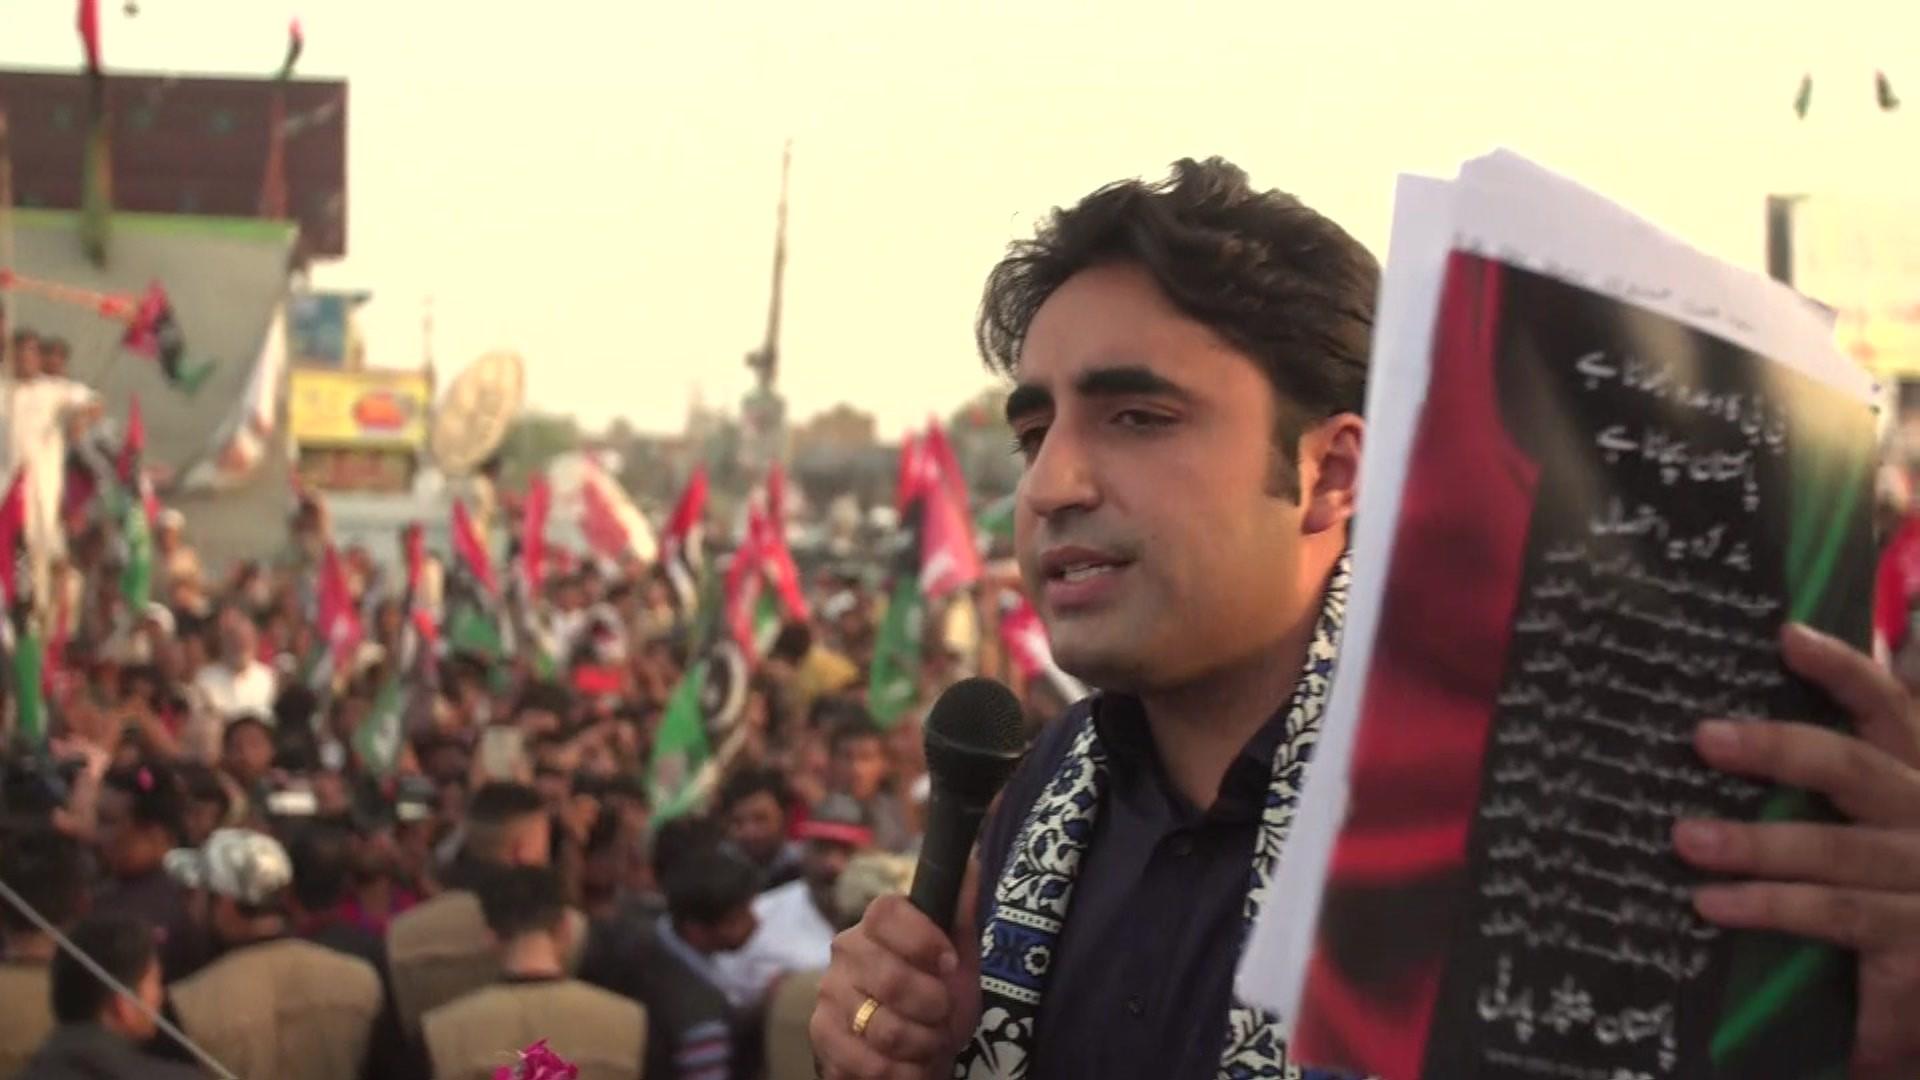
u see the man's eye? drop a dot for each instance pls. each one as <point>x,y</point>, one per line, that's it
<point>1027,443</point>
<point>1141,419</point>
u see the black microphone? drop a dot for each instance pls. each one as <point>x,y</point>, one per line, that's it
<point>976,735</point>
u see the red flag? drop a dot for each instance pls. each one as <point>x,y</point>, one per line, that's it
<point>472,548</point>
<point>770,548</point>
<point>613,526</point>
<point>683,527</point>
<point>777,497</point>
<point>743,592</point>
<point>134,446</point>
<point>949,558</point>
<point>424,626</point>
<point>1025,638</point>
<point>415,540</point>
<point>13,526</point>
<point>946,466</point>
<point>915,472</point>
<point>89,24</point>
<point>153,331</point>
<point>683,548</point>
<point>338,616</point>
<point>533,534</point>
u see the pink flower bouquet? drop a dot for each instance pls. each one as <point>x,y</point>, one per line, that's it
<point>538,1063</point>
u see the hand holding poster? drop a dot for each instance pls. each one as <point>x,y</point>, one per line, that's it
<point>1603,471</point>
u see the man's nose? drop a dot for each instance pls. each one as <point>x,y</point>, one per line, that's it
<point>1061,477</point>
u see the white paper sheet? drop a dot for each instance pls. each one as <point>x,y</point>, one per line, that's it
<point>1507,208</point>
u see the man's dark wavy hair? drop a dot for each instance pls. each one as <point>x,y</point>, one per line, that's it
<point>1272,277</point>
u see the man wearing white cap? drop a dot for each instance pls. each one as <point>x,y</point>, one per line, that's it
<point>272,1005</point>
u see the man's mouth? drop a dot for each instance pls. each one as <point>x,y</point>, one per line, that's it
<point>1082,571</point>
<point>1079,577</point>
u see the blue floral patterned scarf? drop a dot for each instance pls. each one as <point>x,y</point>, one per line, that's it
<point>1030,900</point>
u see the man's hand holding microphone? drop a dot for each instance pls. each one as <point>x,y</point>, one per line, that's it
<point>903,992</point>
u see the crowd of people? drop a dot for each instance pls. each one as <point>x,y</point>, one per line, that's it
<point>255,893</point>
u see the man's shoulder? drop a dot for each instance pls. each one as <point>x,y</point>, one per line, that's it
<point>433,924</point>
<point>1050,747</point>
<point>782,898</point>
<point>87,1050</point>
<point>579,999</point>
<point>295,957</point>
<point>507,998</point>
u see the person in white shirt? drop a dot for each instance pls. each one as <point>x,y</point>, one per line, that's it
<point>799,919</point>
<point>235,685</point>
<point>36,411</point>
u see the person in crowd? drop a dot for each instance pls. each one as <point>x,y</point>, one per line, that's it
<point>100,1030</point>
<point>857,757</point>
<point>246,754</point>
<point>47,870</point>
<point>322,854</point>
<point>272,1004</point>
<point>235,685</point>
<point>815,670</point>
<point>210,801</point>
<point>798,920</point>
<point>326,857</point>
<point>440,949</point>
<point>42,411</point>
<point>754,802</point>
<point>173,558</point>
<point>142,816</point>
<point>670,965</point>
<point>601,1033</point>
<point>55,355</point>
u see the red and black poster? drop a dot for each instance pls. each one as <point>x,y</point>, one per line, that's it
<point>1608,514</point>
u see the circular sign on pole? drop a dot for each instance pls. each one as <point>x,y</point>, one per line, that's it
<point>478,409</point>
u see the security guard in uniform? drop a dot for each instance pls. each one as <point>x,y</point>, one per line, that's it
<point>272,1005</point>
<point>440,950</point>
<point>601,1033</point>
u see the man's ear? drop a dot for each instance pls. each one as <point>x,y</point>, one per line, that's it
<point>1330,472</point>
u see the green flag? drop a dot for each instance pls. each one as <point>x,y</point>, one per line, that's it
<point>680,749</point>
<point>469,629</point>
<point>894,682</point>
<point>136,576</point>
<point>995,520</point>
<point>379,738</point>
<point>30,707</point>
<point>766,622</point>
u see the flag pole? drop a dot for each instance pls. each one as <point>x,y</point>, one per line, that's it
<point>6,243</point>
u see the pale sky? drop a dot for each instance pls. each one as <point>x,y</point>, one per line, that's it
<point>592,182</point>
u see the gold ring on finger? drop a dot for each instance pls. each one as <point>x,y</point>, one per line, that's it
<point>864,1016</point>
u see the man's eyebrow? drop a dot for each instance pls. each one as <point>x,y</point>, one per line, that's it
<point>1131,380</point>
<point>1026,400</point>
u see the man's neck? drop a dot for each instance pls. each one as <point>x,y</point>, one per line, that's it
<point>257,931</point>
<point>1198,729</point>
<point>535,956</point>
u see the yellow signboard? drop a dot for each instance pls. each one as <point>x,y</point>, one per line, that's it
<point>358,408</point>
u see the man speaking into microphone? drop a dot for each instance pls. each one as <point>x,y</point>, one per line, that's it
<point>1190,361</point>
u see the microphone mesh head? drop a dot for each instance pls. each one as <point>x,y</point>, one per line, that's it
<point>979,714</point>
<point>976,735</point>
